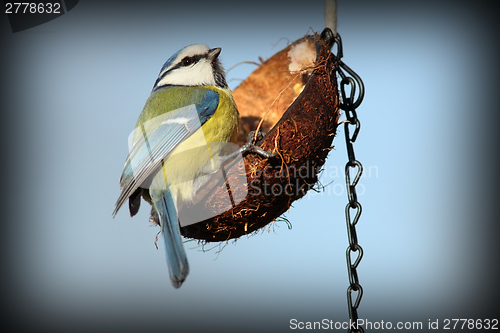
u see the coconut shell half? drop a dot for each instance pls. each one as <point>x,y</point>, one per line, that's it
<point>299,110</point>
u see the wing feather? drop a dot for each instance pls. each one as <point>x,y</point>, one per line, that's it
<point>155,140</point>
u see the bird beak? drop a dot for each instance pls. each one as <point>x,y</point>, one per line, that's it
<point>214,53</point>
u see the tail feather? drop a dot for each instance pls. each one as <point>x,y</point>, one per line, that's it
<point>176,256</point>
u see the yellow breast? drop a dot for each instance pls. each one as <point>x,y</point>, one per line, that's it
<point>199,154</point>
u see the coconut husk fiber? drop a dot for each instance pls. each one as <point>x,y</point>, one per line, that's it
<point>299,111</point>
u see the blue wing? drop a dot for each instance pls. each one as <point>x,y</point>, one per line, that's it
<point>160,136</point>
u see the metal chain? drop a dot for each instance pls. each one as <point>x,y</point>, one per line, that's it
<point>349,79</point>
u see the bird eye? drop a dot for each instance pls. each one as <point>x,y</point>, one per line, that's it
<point>187,61</point>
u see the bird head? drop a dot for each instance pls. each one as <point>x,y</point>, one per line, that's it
<point>194,65</point>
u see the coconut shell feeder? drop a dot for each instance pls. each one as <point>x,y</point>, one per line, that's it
<point>293,99</point>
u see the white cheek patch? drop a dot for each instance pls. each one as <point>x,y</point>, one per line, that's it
<point>197,75</point>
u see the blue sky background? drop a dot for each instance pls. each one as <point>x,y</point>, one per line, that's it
<point>72,91</point>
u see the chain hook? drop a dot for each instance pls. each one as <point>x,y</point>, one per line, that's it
<point>343,69</point>
<point>349,103</point>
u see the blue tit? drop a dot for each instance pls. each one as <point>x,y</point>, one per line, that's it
<point>176,144</point>
<point>189,108</point>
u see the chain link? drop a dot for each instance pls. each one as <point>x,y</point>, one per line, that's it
<point>354,253</point>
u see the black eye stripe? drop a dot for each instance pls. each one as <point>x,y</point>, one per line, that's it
<point>190,61</point>
<point>187,61</point>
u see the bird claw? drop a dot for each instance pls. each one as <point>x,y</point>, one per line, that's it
<point>251,147</point>
<point>252,138</point>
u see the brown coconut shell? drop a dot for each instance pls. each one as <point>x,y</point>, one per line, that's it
<point>299,127</point>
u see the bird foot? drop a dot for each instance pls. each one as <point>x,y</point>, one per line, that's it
<point>251,148</point>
